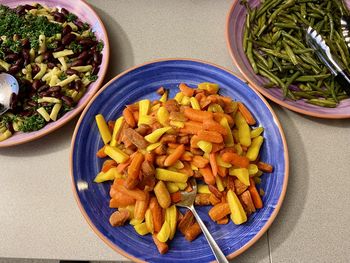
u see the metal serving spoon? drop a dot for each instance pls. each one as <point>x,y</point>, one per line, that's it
<point>9,89</point>
<point>187,200</point>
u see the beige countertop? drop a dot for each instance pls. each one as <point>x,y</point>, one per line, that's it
<point>39,217</point>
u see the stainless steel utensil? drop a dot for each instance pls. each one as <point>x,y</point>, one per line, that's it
<point>8,90</point>
<point>187,200</point>
<point>322,50</point>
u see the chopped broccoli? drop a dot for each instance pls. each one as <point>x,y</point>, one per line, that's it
<point>93,77</point>
<point>71,17</point>
<point>100,46</point>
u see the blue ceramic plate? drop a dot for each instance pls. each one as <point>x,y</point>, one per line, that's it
<point>142,82</point>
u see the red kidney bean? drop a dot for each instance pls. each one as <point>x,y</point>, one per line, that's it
<point>71,71</point>
<point>19,62</point>
<point>44,93</point>
<point>32,103</point>
<point>56,95</point>
<point>97,58</point>
<point>64,11</point>
<point>86,42</point>
<point>66,30</point>
<point>35,69</point>
<point>36,84</point>
<point>10,127</point>
<point>25,43</point>
<point>43,88</point>
<point>78,62</point>
<point>59,47</point>
<point>28,7</point>
<point>26,113</point>
<point>47,55</point>
<point>20,10</point>
<point>14,69</point>
<point>54,88</point>
<point>11,57</point>
<point>78,84</point>
<point>90,61</point>
<point>51,65</point>
<point>83,55</point>
<point>71,85</point>
<point>69,101</point>
<point>67,39</point>
<point>25,54</point>
<point>95,69</point>
<point>59,17</point>
<point>79,24</point>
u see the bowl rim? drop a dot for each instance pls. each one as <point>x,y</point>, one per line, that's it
<point>262,90</point>
<point>284,143</point>
<point>43,132</point>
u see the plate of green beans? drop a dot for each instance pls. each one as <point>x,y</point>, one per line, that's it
<point>266,40</point>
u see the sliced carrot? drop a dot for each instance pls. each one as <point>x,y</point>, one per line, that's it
<point>101,152</point>
<point>141,208</point>
<point>207,175</point>
<point>219,211</point>
<point>134,171</point>
<point>173,157</point>
<point>235,159</point>
<point>108,164</point>
<point>265,167</point>
<point>246,114</point>
<point>217,147</point>
<point>129,117</point>
<point>219,115</point>
<point>212,125</point>
<point>191,127</point>
<point>186,90</point>
<point>199,161</point>
<point>213,163</point>
<point>187,169</point>
<point>194,140</point>
<point>222,171</point>
<point>173,145</point>
<point>197,115</point>
<point>175,197</point>
<point>210,136</point>
<point>134,193</point>
<point>149,157</point>
<point>122,166</point>
<point>161,246</point>
<point>136,115</point>
<point>121,200</point>
<point>255,195</point>
<point>111,126</point>
<point>157,214</point>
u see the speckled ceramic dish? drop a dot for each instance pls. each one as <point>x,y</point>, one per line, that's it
<point>85,13</point>
<point>234,36</point>
<point>142,82</point>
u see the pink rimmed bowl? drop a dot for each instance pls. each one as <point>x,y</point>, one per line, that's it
<point>85,12</point>
<point>234,36</point>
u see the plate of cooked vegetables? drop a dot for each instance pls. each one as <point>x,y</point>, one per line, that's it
<point>266,40</point>
<point>154,128</point>
<point>58,52</point>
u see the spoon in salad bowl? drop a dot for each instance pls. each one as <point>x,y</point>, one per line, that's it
<point>187,201</point>
<point>9,89</point>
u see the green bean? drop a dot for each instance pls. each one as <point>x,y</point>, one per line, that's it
<point>267,5</point>
<point>270,63</point>
<point>313,78</point>
<point>323,103</point>
<point>290,53</point>
<point>287,4</point>
<point>331,24</point>
<point>296,41</point>
<point>276,36</point>
<point>261,58</point>
<point>275,61</point>
<point>342,54</point>
<point>250,56</point>
<point>303,95</point>
<point>292,78</point>
<point>303,51</point>
<point>303,10</point>
<point>245,40</point>
<point>285,25</point>
<point>274,79</point>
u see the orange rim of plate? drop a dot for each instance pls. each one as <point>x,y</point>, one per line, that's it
<point>250,242</point>
<point>262,90</point>
<point>78,109</point>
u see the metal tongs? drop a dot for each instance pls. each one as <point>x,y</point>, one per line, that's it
<point>335,66</point>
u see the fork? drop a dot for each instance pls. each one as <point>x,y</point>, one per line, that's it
<point>187,200</point>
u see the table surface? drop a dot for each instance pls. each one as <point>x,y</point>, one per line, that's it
<point>39,217</point>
